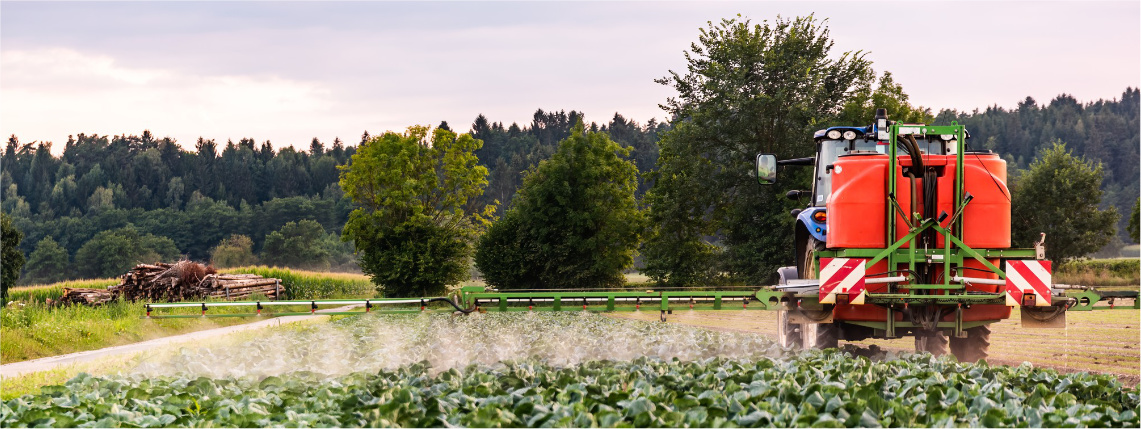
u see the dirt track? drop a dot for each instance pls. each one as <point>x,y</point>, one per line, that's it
<point>1094,341</point>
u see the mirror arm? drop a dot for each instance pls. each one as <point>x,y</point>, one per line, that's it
<point>798,161</point>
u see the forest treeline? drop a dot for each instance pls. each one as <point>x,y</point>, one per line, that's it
<point>120,190</point>
<point>114,192</point>
<point>1104,131</point>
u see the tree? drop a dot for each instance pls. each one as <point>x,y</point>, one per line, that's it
<point>234,251</point>
<point>13,257</point>
<point>1134,218</point>
<point>574,223</point>
<point>113,252</point>
<point>747,89</point>
<point>417,215</point>
<point>861,108</point>
<point>1059,195</point>
<point>296,244</point>
<point>48,263</point>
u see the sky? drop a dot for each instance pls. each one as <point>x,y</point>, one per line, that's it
<point>291,71</point>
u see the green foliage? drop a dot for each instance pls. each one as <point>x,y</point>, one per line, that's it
<point>300,284</point>
<point>1059,195</point>
<point>417,214</point>
<point>297,244</point>
<point>235,251</point>
<point>13,257</point>
<point>860,109</point>
<point>417,258</point>
<point>1135,222</point>
<point>575,222</point>
<point>112,253</point>
<point>48,263</point>
<point>509,151</point>
<point>747,89</point>
<point>505,257</point>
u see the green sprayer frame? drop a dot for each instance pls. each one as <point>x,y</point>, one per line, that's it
<point>481,299</point>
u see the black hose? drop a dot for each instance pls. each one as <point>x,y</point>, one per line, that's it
<point>930,202</point>
<point>453,303</point>
<point>912,147</point>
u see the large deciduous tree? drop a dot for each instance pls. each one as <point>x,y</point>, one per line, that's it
<point>747,89</point>
<point>13,257</point>
<point>297,244</point>
<point>574,223</point>
<point>1059,195</point>
<point>418,216</point>
<point>234,251</point>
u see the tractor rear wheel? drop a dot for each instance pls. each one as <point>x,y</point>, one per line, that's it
<point>789,334</point>
<point>974,347</point>
<point>806,336</point>
<point>827,336</point>
<point>934,342</point>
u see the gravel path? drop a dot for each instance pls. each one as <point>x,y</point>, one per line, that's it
<point>130,350</point>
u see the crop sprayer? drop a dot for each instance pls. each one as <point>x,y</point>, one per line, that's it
<point>907,233</point>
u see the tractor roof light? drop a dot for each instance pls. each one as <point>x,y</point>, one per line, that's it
<point>849,135</point>
<point>834,134</point>
<point>820,216</point>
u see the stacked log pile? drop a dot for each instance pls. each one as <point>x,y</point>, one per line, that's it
<point>180,281</point>
<point>240,286</point>
<point>85,296</point>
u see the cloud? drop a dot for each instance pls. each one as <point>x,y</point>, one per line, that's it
<point>48,89</point>
<point>291,71</point>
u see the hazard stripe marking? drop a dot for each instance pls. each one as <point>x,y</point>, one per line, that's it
<point>841,275</point>
<point>1033,276</point>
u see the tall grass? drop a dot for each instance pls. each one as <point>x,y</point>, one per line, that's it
<point>1100,272</point>
<point>32,329</point>
<point>40,293</point>
<point>300,284</point>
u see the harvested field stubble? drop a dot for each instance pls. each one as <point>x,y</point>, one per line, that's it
<point>564,370</point>
<point>1096,341</point>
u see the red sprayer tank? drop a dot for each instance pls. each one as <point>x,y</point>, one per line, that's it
<point>858,210</point>
<point>986,220</point>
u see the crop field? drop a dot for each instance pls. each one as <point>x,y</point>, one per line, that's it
<point>558,370</point>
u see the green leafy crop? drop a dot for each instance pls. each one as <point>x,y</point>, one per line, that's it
<point>828,389</point>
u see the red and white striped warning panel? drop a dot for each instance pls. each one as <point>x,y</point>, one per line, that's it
<point>1028,283</point>
<point>842,275</point>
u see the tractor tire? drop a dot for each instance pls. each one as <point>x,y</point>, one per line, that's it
<point>827,336</point>
<point>808,266</point>
<point>934,342</point>
<point>974,347</point>
<point>789,335</point>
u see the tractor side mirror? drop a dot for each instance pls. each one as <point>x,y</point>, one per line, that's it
<point>766,169</point>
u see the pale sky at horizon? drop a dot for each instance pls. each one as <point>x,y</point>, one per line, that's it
<point>288,72</point>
